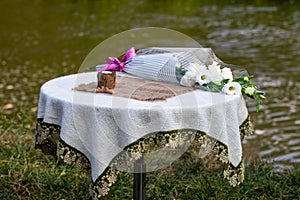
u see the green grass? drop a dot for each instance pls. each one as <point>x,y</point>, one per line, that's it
<point>26,173</point>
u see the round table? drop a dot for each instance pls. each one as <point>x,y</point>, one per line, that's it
<point>101,126</point>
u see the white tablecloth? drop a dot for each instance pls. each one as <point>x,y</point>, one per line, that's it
<point>101,125</point>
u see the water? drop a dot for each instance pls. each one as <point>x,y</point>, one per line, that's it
<point>41,40</point>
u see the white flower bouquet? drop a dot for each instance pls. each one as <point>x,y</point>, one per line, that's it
<point>193,67</point>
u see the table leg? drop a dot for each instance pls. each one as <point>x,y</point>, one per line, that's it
<point>139,185</point>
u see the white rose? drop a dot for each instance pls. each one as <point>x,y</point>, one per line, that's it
<point>215,72</point>
<point>232,88</point>
<point>226,73</point>
<point>189,79</point>
<point>203,77</point>
<point>250,90</point>
<point>190,75</point>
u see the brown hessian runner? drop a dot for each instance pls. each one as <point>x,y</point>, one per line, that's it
<point>140,89</point>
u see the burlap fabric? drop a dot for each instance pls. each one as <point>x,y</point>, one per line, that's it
<point>140,89</point>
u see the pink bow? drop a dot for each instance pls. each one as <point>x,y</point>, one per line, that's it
<point>114,64</point>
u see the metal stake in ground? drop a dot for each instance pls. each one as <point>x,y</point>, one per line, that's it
<point>139,185</point>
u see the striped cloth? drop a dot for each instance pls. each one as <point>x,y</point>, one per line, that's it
<point>161,64</point>
<point>157,67</point>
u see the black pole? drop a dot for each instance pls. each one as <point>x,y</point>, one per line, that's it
<point>139,184</point>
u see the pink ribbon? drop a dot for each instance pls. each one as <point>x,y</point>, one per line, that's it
<point>114,64</point>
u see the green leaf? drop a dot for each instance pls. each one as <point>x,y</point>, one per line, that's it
<point>225,81</point>
<point>213,87</point>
